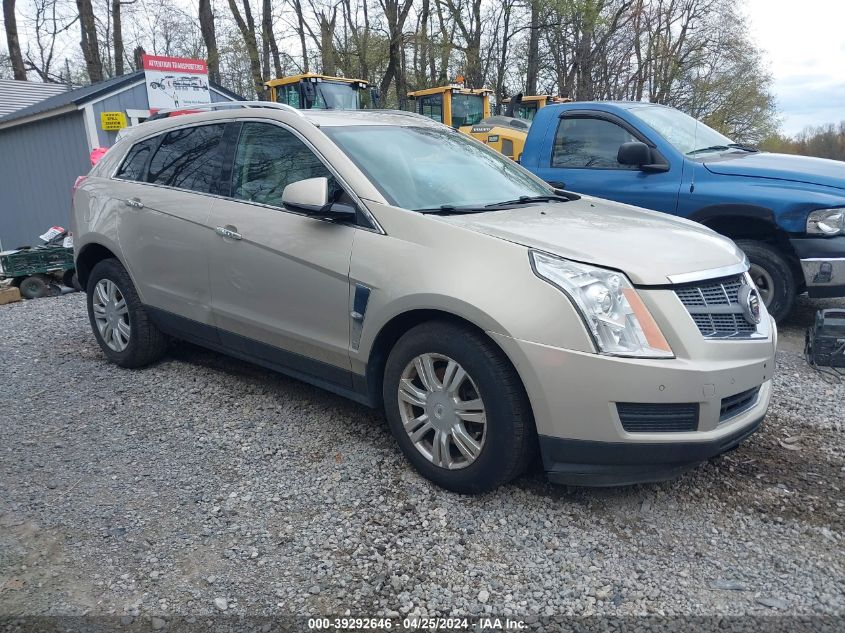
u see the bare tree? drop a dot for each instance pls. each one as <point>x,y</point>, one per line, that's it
<point>395,14</point>
<point>88,41</point>
<point>48,25</point>
<point>12,41</point>
<point>246,25</point>
<point>209,37</point>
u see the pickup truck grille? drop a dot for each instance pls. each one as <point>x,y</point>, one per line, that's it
<point>715,308</point>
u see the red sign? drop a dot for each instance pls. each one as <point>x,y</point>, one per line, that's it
<point>174,64</point>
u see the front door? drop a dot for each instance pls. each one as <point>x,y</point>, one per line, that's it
<point>280,280</point>
<point>583,159</point>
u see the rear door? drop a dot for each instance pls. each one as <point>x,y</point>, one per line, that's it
<point>162,230</point>
<point>580,153</point>
<point>279,279</point>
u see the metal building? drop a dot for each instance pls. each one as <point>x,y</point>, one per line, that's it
<point>46,145</point>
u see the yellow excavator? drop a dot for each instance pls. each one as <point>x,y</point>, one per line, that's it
<point>526,106</point>
<point>468,111</point>
<point>312,91</point>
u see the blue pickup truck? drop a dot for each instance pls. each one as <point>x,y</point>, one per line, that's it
<point>786,212</point>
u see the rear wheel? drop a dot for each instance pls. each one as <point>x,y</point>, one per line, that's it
<point>773,276</point>
<point>457,408</point>
<point>121,324</point>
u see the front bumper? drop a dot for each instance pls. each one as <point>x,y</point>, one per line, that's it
<point>574,398</point>
<point>823,264</point>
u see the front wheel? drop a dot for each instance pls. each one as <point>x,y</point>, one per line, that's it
<point>121,324</point>
<point>457,408</point>
<point>773,276</point>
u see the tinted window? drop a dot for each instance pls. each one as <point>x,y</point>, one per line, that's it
<point>431,106</point>
<point>188,158</point>
<point>290,95</point>
<point>589,143</point>
<point>268,159</point>
<point>133,165</point>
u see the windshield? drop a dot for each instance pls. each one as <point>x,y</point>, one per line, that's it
<point>426,168</point>
<point>336,96</point>
<point>467,109</point>
<point>681,130</point>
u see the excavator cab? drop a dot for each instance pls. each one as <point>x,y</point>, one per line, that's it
<point>526,107</point>
<point>321,92</point>
<point>454,104</point>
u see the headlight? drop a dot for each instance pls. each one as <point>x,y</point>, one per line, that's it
<point>826,222</point>
<point>615,314</point>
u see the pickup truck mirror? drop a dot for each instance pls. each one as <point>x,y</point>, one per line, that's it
<point>311,196</point>
<point>640,155</point>
<point>634,153</point>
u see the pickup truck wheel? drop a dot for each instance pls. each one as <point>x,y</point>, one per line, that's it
<point>34,287</point>
<point>457,408</point>
<point>773,276</point>
<point>121,324</point>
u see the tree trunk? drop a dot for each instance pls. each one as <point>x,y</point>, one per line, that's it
<point>88,41</point>
<point>533,62</point>
<point>209,36</point>
<point>246,25</point>
<point>327,52</point>
<point>300,29</point>
<point>12,40</point>
<point>117,37</point>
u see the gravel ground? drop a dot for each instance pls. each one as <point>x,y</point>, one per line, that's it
<point>205,484</point>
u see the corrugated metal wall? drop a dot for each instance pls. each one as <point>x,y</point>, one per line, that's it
<point>38,165</point>
<point>134,98</point>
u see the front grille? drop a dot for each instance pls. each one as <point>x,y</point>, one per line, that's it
<point>714,307</point>
<point>732,406</point>
<point>639,417</point>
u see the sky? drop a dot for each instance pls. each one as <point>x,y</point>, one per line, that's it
<point>804,43</point>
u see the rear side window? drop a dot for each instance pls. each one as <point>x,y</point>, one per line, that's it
<point>268,159</point>
<point>587,142</point>
<point>133,165</point>
<point>188,158</point>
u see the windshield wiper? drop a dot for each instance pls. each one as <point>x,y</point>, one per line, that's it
<point>722,148</point>
<point>527,200</point>
<point>450,209</point>
<point>712,148</point>
<point>743,147</point>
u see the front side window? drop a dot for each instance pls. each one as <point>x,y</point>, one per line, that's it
<point>133,165</point>
<point>588,142</point>
<point>428,167</point>
<point>431,106</point>
<point>467,109</point>
<point>188,158</point>
<point>268,159</point>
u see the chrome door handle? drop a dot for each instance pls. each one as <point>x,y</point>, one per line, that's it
<point>134,202</point>
<point>229,231</point>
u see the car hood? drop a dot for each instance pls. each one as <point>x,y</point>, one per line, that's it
<point>647,246</point>
<point>814,171</point>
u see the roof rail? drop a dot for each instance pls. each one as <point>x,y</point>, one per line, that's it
<point>222,105</point>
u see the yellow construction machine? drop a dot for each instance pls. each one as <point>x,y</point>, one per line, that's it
<point>322,92</point>
<point>525,107</point>
<point>468,111</point>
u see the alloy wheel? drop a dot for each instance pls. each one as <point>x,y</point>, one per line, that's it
<point>111,315</point>
<point>442,411</point>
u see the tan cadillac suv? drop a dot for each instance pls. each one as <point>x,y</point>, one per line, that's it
<point>388,258</point>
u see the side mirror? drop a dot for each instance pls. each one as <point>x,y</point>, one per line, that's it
<point>311,196</point>
<point>634,153</point>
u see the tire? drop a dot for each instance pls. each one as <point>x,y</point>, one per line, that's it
<point>503,444</point>
<point>71,279</point>
<point>773,276</point>
<point>34,287</point>
<point>144,343</point>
